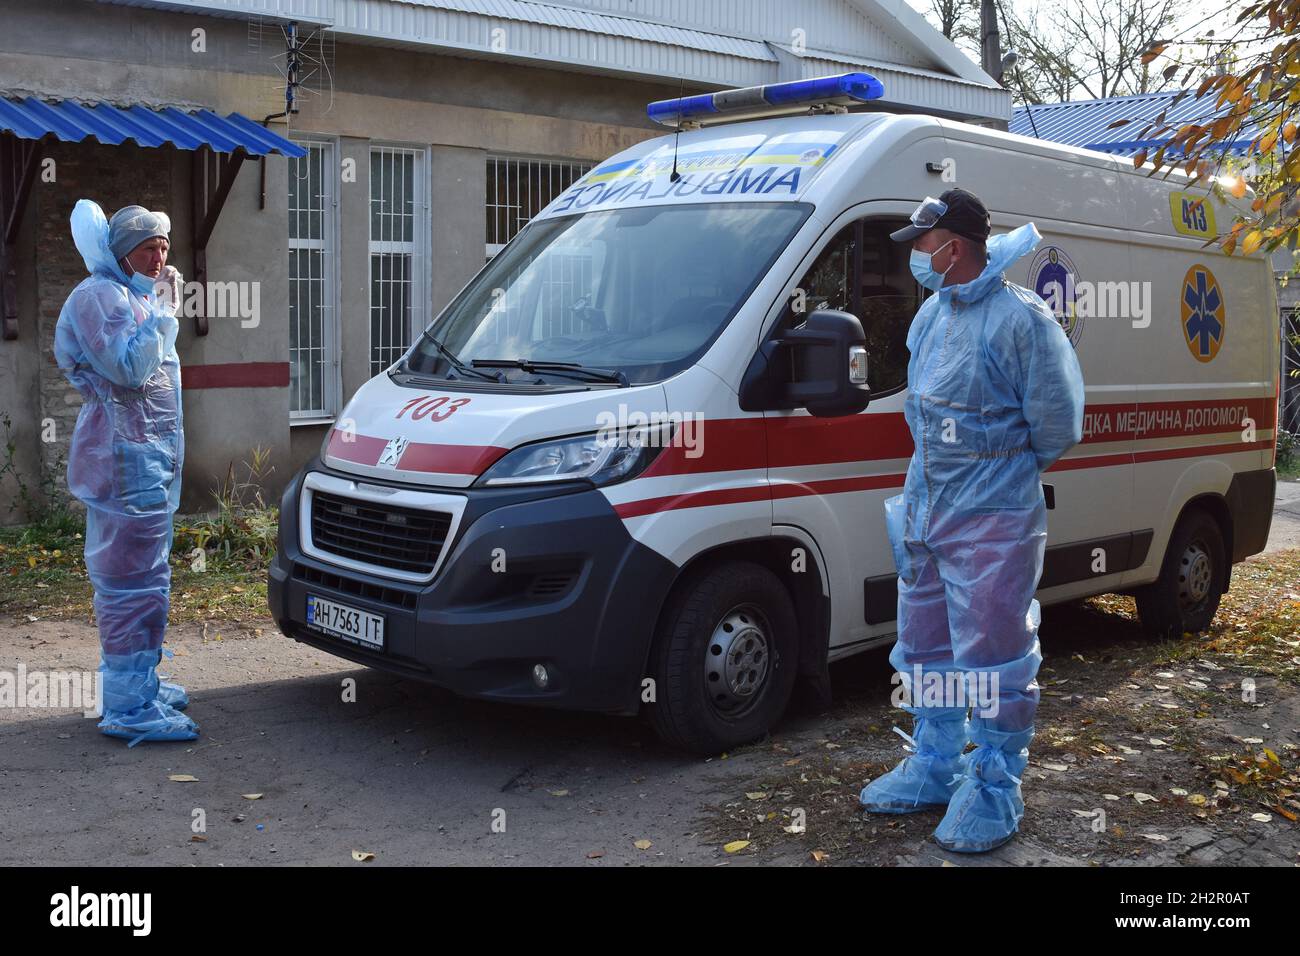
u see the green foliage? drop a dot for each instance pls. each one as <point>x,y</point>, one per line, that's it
<point>242,532</point>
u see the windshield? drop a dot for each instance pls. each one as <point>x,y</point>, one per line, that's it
<point>641,292</point>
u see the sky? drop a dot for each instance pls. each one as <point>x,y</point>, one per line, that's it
<point>1197,11</point>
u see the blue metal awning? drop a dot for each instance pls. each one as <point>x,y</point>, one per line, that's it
<point>73,122</point>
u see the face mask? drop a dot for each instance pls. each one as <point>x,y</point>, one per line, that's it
<point>141,283</point>
<point>920,263</point>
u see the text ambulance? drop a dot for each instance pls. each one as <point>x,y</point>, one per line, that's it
<point>638,464</point>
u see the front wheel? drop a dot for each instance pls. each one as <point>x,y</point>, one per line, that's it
<point>1192,579</point>
<point>724,659</point>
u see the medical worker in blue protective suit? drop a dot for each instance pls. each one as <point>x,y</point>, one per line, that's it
<point>115,341</point>
<point>996,396</point>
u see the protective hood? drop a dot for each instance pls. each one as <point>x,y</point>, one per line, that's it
<point>90,235</point>
<point>1003,250</point>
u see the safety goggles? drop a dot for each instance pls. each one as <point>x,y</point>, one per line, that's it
<point>928,213</point>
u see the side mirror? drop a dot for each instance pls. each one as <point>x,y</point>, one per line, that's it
<point>821,366</point>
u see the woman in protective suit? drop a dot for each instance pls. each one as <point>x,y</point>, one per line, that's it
<point>115,342</point>
<point>995,398</point>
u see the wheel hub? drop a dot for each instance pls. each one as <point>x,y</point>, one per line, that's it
<point>736,660</point>
<point>1194,576</point>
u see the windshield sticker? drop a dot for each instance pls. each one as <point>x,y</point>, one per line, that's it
<point>740,166</point>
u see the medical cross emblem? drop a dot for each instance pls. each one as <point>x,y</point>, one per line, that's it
<point>1203,313</point>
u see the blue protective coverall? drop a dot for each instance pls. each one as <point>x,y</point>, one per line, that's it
<point>117,347</point>
<point>996,397</point>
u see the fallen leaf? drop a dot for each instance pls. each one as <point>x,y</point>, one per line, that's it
<point>1261,818</point>
<point>182,778</point>
<point>559,793</point>
<point>735,846</point>
<point>820,856</point>
<point>251,796</point>
<point>643,844</point>
<point>1143,797</point>
<point>362,857</point>
<point>595,854</point>
<point>755,795</point>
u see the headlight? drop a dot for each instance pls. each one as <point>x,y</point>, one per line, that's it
<point>601,458</point>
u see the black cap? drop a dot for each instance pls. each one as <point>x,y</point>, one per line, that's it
<point>966,216</point>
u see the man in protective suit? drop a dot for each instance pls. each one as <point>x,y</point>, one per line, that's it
<point>995,398</point>
<point>116,343</point>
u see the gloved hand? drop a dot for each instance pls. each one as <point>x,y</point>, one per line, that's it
<point>170,289</point>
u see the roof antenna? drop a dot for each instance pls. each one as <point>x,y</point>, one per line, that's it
<point>678,135</point>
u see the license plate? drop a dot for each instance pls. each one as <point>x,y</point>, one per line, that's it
<point>349,623</point>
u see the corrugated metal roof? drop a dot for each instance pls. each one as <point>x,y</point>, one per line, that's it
<point>567,18</point>
<point>722,43</point>
<point>74,122</point>
<point>1086,122</point>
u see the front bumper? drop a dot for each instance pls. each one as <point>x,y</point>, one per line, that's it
<point>577,594</point>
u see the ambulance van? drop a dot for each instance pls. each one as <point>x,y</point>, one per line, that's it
<point>638,464</point>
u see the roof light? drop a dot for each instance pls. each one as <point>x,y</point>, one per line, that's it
<point>846,89</point>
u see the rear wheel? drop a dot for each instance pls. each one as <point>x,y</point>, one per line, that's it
<point>724,659</point>
<point>1192,579</point>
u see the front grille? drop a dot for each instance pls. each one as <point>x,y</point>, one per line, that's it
<point>404,539</point>
<point>371,592</point>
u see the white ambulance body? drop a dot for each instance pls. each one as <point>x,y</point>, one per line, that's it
<point>465,525</point>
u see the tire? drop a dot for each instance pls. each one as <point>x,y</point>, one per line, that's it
<point>1192,579</point>
<point>724,659</point>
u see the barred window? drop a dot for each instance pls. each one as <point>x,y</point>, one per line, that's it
<point>518,189</point>
<point>399,268</point>
<point>313,332</point>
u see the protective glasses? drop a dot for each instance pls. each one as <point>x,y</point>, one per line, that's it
<point>928,213</point>
<point>156,222</point>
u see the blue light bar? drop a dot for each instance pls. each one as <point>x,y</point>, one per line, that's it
<point>845,89</point>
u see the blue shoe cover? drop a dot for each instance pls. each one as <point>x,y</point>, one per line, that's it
<point>173,695</point>
<point>928,777</point>
<point>132,709</point>
<point>987,808</point>
<point>154,721</point>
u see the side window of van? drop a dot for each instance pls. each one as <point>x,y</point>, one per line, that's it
<point>865,273</point>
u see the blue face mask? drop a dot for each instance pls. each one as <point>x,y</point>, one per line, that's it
<point>923,270</point>
<point>141,283</point>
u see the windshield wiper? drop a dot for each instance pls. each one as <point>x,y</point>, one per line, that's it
<point>558,368</point>
<point>456,363</point>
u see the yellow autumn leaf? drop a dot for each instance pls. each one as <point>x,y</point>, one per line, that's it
<point>182,778</point>
<point>1288,131</point>
<point>1238,187</point>
<point>735,846</point>
<point>1267,143</point>
<point>643,844</point>
<point>1252,241</point>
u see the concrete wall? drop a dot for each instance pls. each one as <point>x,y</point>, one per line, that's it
<point>224,425</point>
